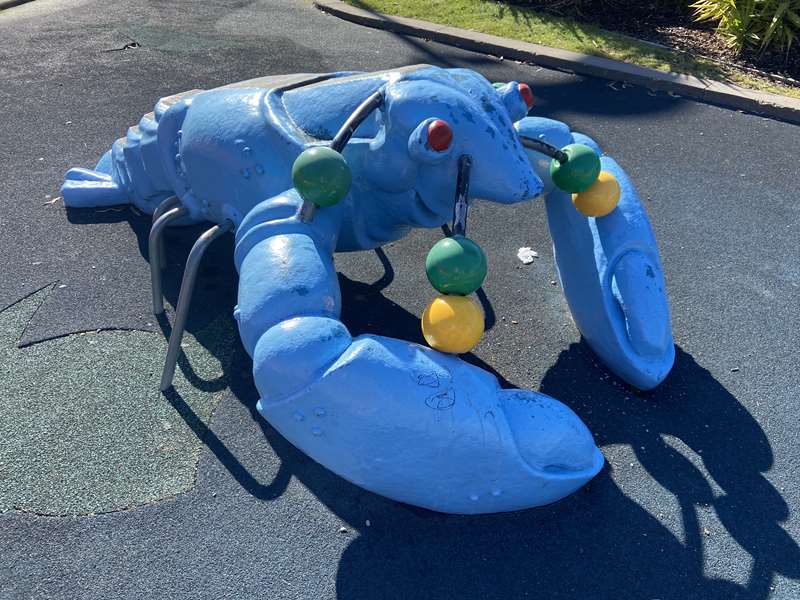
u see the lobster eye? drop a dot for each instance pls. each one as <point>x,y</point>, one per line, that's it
<point>527,94</point>
<point>440,135</point>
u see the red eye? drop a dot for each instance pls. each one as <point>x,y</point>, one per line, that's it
<point>439,135</point>
<point>526,93</point>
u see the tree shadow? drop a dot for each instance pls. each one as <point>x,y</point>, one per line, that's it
<point>634,99</point>
<point>600,543</point>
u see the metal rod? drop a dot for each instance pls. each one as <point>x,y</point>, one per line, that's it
<point>166,205</point>
<point>365,109</point>
<point>185,298</point>
<point>544,148</point>
<point>156,257</point>
<point>461,205</point>
<point>307,211</point>
<point>346,131</point>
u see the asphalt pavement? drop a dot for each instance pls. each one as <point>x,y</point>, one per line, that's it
<point>700,494</point>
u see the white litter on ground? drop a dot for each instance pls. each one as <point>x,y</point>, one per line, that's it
<point>526,255</point>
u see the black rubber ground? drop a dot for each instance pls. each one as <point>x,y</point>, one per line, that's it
<point>700,496</point>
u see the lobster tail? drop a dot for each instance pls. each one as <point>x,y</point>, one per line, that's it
<point>85,188</point>
<point>131,172</point>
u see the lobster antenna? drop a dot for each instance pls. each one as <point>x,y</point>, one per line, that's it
<point>544,148</point>
<point>462,192</point>
<point>365,109</point>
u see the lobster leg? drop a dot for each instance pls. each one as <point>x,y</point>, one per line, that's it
<point>185,298</point>
<point>156,259</point>
<point>169,203</point>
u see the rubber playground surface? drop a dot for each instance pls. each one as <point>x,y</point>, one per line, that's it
<point>109,489</point>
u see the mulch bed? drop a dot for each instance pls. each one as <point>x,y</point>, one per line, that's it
<point>669,23</point>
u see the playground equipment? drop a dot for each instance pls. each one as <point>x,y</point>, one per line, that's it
<point>302,166</point>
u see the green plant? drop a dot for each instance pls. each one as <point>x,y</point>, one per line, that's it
<point>760,24</point>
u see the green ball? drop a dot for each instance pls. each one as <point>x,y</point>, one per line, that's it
<point>456,265</point>
<point>579,172</point>
<point>321,175</point>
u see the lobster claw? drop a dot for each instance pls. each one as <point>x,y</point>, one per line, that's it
<point>609,269</point>
<point>417,425</point>
<point>396,418</point>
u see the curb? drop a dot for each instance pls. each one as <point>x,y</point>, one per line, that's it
<point>9,3</point>
<point>715,92</point>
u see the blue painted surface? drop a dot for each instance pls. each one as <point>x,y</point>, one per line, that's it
<point>394,417</point>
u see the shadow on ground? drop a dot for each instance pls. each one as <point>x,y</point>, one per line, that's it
<point>691,436</point>
<point>677,62</point>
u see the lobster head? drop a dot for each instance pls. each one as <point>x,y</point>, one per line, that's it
<point>430,118</point>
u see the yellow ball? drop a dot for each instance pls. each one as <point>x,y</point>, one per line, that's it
<point>452,323</point>
<point>601,197</point>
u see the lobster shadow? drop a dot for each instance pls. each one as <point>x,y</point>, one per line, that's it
<point>691,436</point>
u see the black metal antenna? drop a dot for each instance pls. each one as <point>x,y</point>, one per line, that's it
<point>346,131</point>
<point>365,109</point>
<point>461,205</point>
<point>544,148</point>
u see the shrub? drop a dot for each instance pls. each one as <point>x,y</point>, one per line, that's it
<point>757,23</point>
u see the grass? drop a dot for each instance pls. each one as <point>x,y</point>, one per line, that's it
<point>524,24</point>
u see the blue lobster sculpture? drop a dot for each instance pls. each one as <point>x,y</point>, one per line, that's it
<point>396,418</point>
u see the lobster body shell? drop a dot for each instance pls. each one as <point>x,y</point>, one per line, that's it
<point>396,418</point>
<point>224,150</point>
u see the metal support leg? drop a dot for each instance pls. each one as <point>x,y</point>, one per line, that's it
<point>185,297</point>
<point>156,258</point>
<point>166,205</point>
